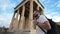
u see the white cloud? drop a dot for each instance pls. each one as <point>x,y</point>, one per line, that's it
<point>5,7</point>
<point>6,4</point>
<point>5,19</point>
<point>56,18</point>
<point>53,15</point>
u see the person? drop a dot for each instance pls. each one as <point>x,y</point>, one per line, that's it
<point>41,21</point>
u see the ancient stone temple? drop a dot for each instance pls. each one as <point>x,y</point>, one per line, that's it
<point>22,20</point>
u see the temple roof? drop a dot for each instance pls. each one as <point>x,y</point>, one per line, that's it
<point>25,0</point>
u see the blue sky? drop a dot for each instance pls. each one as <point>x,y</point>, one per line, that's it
<point>52,10</point>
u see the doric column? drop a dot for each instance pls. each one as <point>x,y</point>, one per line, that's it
<point>31,15</point>
<point>22,18</point>
<point>16,20</point>
<point>11,25</point>
<point>33,31</point>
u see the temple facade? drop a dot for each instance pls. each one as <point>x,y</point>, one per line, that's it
<point>22,20</point>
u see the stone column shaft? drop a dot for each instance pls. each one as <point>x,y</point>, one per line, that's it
<point>33,31</point>
<point>11,25</point>
<point>22,18</point>
<point>16,21</point>
<point>31,15</point>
